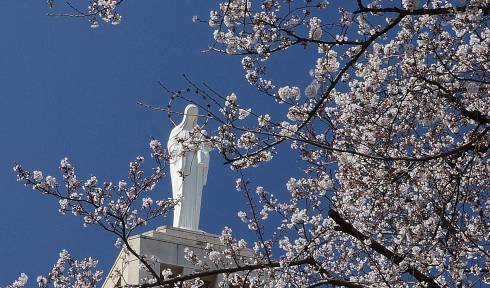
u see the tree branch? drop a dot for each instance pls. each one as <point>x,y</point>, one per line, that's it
<point>161,282</point>
<point>347,228</point>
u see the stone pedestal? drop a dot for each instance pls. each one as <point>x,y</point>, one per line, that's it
<point>167,244</point>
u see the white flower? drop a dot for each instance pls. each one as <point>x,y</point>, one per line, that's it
<point>242,244</point>
<point>312,89</point>
<point>346,17</point>
<point>64,255</point>
<point>238,184</point>
<point>243,216</point>
<point>155,144</point>
<point>247,62</point>
<point>264,119</point>
<point>231,99</point>
<point>94,24</point>
<point>326,64</point>
<point>118,243</point>
<point>287,92</point>
<point>299,217</point>
<point>42,281</point>
<point>65,164</point>
<point>20,282</point>
<point>287,130</point>
<point>166,273</point>
<point>247,140</point>
<point>51,181</point>
<point>164,204</point>
<point>63,205</point>
<point>242,113</point>
<point>23,278</point>
<point>213,19</point>
<point>37,175</point>
<point>98,274</point>
<point>91,182</point>
<point>116,20</point>
<point>315,32</point>
<point>214,256</point>
<point>410,4</point>
<point>147,202</point>
<point>293,21</point>
<point>122,185</point>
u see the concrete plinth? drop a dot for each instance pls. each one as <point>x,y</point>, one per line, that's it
<point>167,245</point>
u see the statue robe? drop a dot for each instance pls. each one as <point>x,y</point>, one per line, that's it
<point>189,175</point>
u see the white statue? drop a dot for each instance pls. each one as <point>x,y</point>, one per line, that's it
<point>188,170</point>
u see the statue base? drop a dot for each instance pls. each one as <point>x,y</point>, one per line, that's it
<point>165,245</point>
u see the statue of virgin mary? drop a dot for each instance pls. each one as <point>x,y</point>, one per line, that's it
<point>188,169</point>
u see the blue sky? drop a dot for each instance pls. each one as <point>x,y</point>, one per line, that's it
<point>68,90</point>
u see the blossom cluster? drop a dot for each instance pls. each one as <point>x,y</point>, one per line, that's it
<point>66,272</point>
<point>393,138</point>
<point>117,207</point>
<point>96,9</point>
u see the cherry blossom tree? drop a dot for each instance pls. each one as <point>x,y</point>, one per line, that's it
<point>392,132</point>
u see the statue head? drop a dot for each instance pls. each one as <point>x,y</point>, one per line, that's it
<point>189,121</point>
<point>190,117</point>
